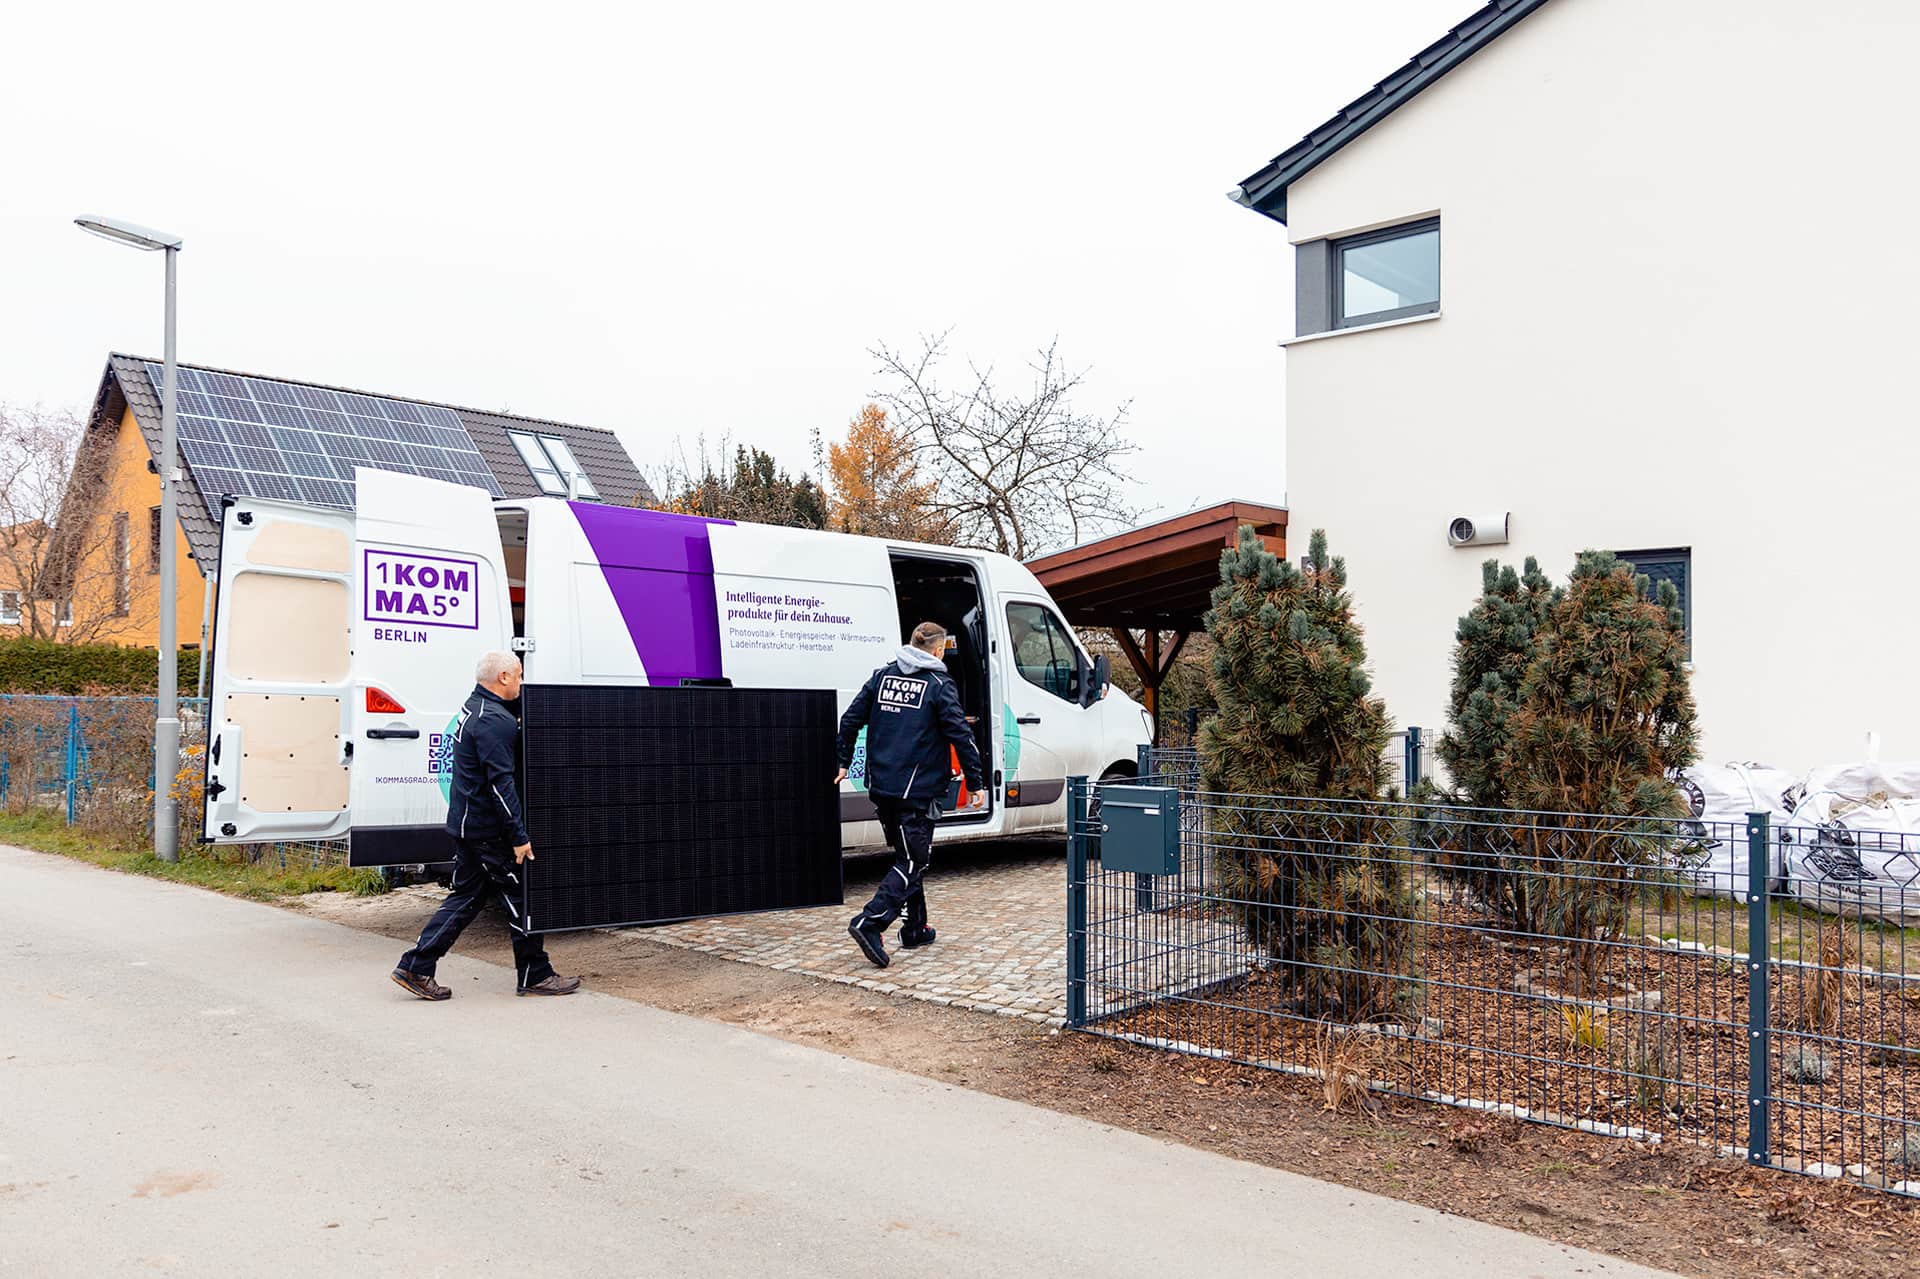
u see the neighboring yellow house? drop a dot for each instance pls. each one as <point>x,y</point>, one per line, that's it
<point>245,435</point>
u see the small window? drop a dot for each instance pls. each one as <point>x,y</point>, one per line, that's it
<point>1387,275</point>
<point>122,564</point>
<point>551,462</point>
<point>153,539</point>
<point>63,614</point>
<point>9,608</point>
<point>1043,651</point>
<point>1675,565</point>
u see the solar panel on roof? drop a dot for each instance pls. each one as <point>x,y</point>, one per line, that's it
<point>252,437</point>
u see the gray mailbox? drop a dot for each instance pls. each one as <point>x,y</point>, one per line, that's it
<point>1140,829</point>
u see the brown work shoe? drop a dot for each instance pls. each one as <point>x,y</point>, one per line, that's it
<point>420,987</point>
<point>554,984</point>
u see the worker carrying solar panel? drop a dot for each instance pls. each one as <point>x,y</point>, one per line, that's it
<point>489,829</point>
<point>911,711</point>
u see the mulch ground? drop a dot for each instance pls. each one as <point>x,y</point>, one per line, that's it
<point>1658,1046</point>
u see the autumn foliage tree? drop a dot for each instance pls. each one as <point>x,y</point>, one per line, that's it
<point>875,484</point>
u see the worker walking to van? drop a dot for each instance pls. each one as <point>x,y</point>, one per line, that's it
<point>489,832</point>
<point>911,711</point>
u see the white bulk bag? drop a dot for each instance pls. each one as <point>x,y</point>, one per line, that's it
<point>1856,853</point>
<point>1719,797</point>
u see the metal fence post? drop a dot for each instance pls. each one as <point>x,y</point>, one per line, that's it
<point>1143,760</point>
<point>1076,902</point>
<point>1411,768</point>
<point>73,759</point>
<point>1759,1070</point>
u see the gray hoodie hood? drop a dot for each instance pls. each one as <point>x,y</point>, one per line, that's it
<point>912,661</point>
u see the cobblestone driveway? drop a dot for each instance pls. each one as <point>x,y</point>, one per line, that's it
<point>1000,909</point>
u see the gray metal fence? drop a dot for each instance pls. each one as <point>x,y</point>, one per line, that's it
<point>91,758</point>
<point>1602,973</point>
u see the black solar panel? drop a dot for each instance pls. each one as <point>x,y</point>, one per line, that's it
<point>653,804</point>
<point>252,437</point>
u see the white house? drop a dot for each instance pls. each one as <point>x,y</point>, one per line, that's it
<point>1639,274</point>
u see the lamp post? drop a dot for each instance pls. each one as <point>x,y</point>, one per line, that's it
<point>166,724</point>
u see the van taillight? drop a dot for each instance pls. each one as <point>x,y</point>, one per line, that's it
<point>379,703</point>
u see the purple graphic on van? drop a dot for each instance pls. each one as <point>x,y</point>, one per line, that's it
<point>660,569</point>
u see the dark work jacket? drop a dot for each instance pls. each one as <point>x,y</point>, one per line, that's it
<point>485,803</point>
<point>911,717</point>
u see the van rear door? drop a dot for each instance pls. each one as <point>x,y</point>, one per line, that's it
<point>277,721</point>
<point>343,646</point>
<point>432,597</point>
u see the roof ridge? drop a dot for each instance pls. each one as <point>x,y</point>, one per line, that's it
<point>381,395</point>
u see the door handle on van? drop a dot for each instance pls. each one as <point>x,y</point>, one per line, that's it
<point>1026,719</point>
<point>382,734</point>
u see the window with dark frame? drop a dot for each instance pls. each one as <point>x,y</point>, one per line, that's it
<point>1671,564</point>
<point>1390,274</point>
<point>10,608</point>
<point>153,539</point>
<point>122,564</point>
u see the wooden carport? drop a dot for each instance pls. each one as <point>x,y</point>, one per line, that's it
<point>1154,581</point>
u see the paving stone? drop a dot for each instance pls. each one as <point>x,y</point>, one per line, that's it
<point>1001,914</point>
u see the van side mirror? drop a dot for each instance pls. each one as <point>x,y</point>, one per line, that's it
<point>1094,687</point>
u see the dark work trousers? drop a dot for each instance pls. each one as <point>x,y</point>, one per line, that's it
<point>909,826</point>
<point>483,871</point>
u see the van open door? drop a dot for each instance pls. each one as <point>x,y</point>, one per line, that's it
<point>343,647</point>
<point>277,721</point>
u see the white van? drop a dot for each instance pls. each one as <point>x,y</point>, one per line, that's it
<point>344,643</point>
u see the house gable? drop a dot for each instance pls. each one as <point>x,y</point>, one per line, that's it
<point>1265,190</point>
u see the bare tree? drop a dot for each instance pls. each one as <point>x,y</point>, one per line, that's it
<point>1020,472</point>
<point>70,567</point>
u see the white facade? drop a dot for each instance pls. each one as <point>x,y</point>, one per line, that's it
<point>1677,309</point>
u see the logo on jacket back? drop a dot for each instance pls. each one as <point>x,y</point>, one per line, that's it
<point>901,692</point>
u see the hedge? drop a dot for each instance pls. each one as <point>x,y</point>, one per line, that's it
<point>46,666</point>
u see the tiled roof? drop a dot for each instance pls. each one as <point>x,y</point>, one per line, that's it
<point>599,452</point>
<point>1266,190</point>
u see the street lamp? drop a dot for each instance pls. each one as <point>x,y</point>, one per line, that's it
<point>166,724</point>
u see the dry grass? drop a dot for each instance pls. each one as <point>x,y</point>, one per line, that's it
<point>1345,1061</point>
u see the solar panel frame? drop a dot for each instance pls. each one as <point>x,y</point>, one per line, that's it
<point>255,437</point>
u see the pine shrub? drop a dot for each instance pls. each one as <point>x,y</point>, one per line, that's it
<point>1493,646</point>
<point>1315,880</point>
<point>1604,719</point>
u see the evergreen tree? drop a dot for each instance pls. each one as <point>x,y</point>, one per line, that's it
<point>1494,644</point>
<point>1316,883</point>
<point>1604,718</point>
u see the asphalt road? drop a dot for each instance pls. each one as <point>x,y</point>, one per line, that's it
<point>195,1085</point>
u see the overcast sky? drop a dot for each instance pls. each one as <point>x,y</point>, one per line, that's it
<point>682,220</point>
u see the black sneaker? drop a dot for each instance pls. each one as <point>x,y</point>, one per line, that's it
<point>914,938</point>
<point>420,987</point>
<point>872,942</point>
